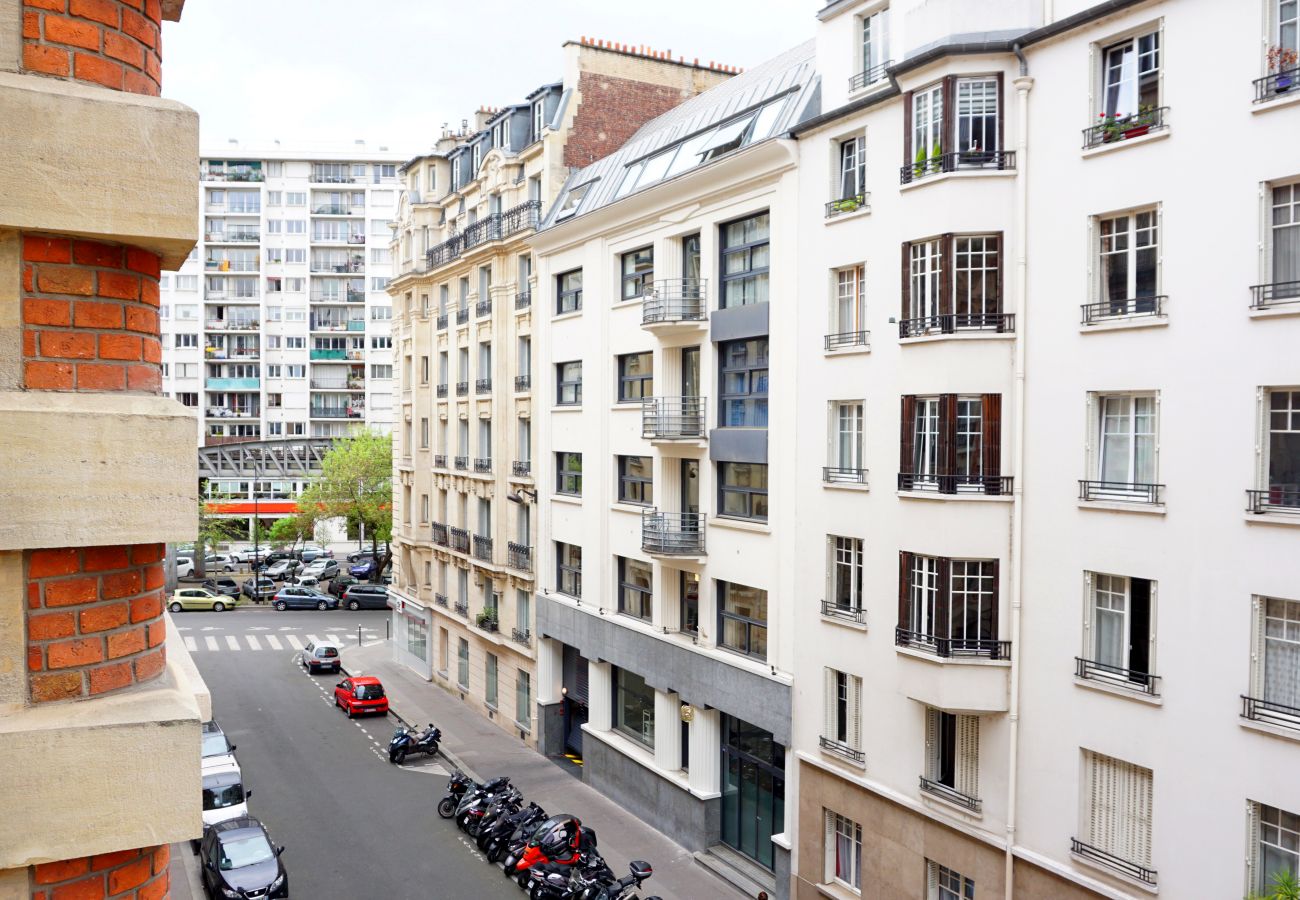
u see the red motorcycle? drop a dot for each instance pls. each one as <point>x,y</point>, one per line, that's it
<point>560,839</point>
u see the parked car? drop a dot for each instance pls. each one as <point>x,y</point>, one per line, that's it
<point>220,562</point>
<point>339,585</point>
<point>363,694</point>
<point>258,587</point>
<point>184,567</point>
<point>223,585</point>
<point>273,557</point>
<point>291,597</point>
<point>323,569</point>
<point>311,553</point>
<point>201,598</point>
<point>320,655</point>
<point>366,596</point>
<point>248,555</point>
<point>364,569</point>
<point>304,580</point>
<point>224,796</point>
<point>285,568</point>
<point>239,860</point>
<point>217,751</point>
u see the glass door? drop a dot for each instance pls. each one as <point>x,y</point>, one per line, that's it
<point>753,789</point>
<point>692,405</point>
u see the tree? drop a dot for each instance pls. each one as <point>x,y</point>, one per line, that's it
<point>290,530</point>
<point>212,531</point>
<point>356,482</point>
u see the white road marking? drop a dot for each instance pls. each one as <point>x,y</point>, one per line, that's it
<point>274,642</point>
<point>332,638</point>
<point>232,642</point>
<point>211,643</point>
<point>253,643</point>
<point>184,628</point>
<point>288,627</point>
<point>313,639</point>
<point>191,644</point>
<point>210,628</point>
<point>260,628</point>
<point>293,641</point>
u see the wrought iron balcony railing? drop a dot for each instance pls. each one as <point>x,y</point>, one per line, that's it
<point>1258,709</point>
<point>523,299</point>
<point>1280,293</point>
<point>842,475</point>
<point>847,339</point>
<point>869,76</point>
<point>482,464</point>
<point>460,462</point>
<point>440,600</point>
<point>440,460</point>
<point>483,308</point>
<point>922,326</point>
<point>675,300</point>
<point>441,321</point>
<point>833,610</point>
<point>462,316</point>
<point>439,533</point>
<point>519,556</point>
<point>1279,499</point>
<point>462,608</point>
<point>1119,309</point>
<point>1141,873</point>
<point>1091,670</point>
<point>459,539</point>
<point>953,648</point>
<point>845,205</point>
<point>988,485</point>
<point>483,547</point>
<point>839,748</point>
<point>483,386</point>
<point>952,795</point>
<point>673,418</point>
<point>441,390</point>
<point>1276,83</point>
<point>521,636</point>
<point>672,534</point>
<point>1001,160</point>
<point>523,382</point>
<point>462,389</point>
<point>1120,491</point>
<point>1112,129</point>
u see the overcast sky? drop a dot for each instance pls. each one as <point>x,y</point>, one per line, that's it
<point>392,71</point>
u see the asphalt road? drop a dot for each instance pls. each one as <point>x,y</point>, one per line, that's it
<point>354,826</point>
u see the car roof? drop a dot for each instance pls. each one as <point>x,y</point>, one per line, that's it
<point>217,763</point>
<point>367,679</point>
<point>328,644</point>
<point>222,776</point>
<point>211,727</point>
<point>231,828</point>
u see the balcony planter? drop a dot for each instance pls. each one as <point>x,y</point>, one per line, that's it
<point>486,621</point>
<point>847,205</point>
<point>1283,84</point>
<point>974,157</point>
<point>1136,131</point>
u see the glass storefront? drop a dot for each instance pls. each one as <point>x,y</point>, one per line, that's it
<point>753,789</point>
<point>634,707</point>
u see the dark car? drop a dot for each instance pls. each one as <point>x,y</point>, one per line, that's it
<point>357,555</point>
<point>292,597</point>
<point>366,569</point>
<point>225,586</point>
<point>258,588</point>
<point>339,585</point>
<point>366,596</point>
<point>272,558</point>
<point>239,860</point>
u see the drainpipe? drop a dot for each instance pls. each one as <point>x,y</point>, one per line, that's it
<point>1023,84</point>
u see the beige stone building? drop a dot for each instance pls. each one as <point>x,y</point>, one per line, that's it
<point>464,513</point>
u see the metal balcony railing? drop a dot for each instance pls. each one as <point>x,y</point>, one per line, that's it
<point>1280,293</point>
<point>519,556</point>
<point>675,300</point>
<point>462,608</point>
<point>440,600</point>
<point>483,386</point>
<point>672,534</point>
<point>483,548</point>
<point>462,316</point>
<point>1258,709</point>
<point>1275,83</point>
<point>482,464</point>
<point>1112,129</point>
<point>442,321</point>
<point>847,339</point>
<point>460,462</point>
<point>673,418</point>
<point>869,76</point>
<point>1283,499</point>
<point>1000,323</point>
<point>954,162</point>
<point>520,218</point>
<point>334,412</point>
<point>839,748</point>
<point>1120,491</point>
<point>842,475</point>
<point>1091,670</point>
<point>459,539</point>
<point>1117,309</point>
<point>462,389</point>
<point>1142,873</point>
<point>521,468</point>
<point>440,460</point>
<point>845,205</point>
<point>523,299</point>
<point>833,610</point>
<point>326,177</point>
<point>952,795</point>
<point>950,648</point>
<point>333,384</point>
<point>438,532</point>
<point>483,308</point>
<point>441,390</point>
<point>988,485</point>
<point>523,382</point>
<point>521,636</point>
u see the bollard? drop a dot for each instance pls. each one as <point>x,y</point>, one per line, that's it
<point>388,629</point>
<point>358,635</point>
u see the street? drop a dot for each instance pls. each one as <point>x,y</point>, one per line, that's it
<point>353,825</point>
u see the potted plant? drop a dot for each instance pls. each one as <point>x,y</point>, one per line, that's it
<point>936,159</point>
<point>918,165</point>
<point>846,205</point>
<point>487,620</point>
<point>1109,127</point>
<point>1139,124</point>
<point>973,155</point>
<point>1282,65</point>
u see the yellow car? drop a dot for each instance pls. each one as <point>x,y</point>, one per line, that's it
<point>201,598</point>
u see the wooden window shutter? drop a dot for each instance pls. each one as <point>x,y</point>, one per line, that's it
<point>1257,648</point>
<point>907,433</point>
<point>941,623</point>
<point>828,724</point>
<point>905,305</point>
<point>1002,105</point>
<point>995,570</point>
<point>947,435</point>
<point>991,440</point>
<point>907,128</point>
<point>904,577</point>
<point>931,742</point>
<point>999,305</point>
<point>945,276</point>
<point>968,756</point>
<point>949,131</point>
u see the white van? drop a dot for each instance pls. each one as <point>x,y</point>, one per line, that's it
<point>224,796</point>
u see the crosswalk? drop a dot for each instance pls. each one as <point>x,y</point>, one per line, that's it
<point>244,643</point>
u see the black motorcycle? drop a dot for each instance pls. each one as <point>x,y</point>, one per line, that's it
<point>502,808</point>
<point>494,839</point>
<point>517,843</point>
<point>565,880</point>
<point>406,741</point>
<point>474,805</point>
<point>457,786</point>
<point>617,889</point>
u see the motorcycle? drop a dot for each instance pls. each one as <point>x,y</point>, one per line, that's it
<point>560,840</point>
<point>617,889</point>
<point>518,843</point>
<point>406,741</point>
<point>457,786</point>
<point>502,808</point>
<point>475,803</point>
<point>495,840</point>
<point>565,881</point>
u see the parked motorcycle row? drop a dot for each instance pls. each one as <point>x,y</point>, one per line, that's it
<point>550,857</point>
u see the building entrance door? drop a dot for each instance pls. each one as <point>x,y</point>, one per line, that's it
<point>753,789</point>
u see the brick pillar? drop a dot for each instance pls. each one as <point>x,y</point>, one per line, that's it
<point>113,43</point>
<point>139,874</point>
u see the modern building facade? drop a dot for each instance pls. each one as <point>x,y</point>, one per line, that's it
<point>465,512</point>
<point>667,278</point>
<point>99,468</point>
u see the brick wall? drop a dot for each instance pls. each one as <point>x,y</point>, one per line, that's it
<point>125,875</point>
<point>90,316</point>
<point>94,620</point>
<point>610,110</point>
<point>113,43</point>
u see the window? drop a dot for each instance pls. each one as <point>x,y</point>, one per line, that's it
<point>1130,76</point>
<point>568,474</point>
<point>381,343</point>
<point>187,282</point>
<point>381,255</point>
<point>743,377</point>
<point>1119,641</point>
<point>275,255</point>
<point>295,343</point>
<point>635,377</point>
<point>852,169</point>
<point>841,728</point>
<point>186,340</point>
<point>568,384</point>
<point>462,663</point>
<point>380,371</point>
<point>952,444</point>
<point>1116,816</point>
<point>638,272</point>
<point>274,226</point>
<point>843,851</point>
<point>689,602</point>
<point>273,371</point>
<point>378,283</point>
<point>573,200</point>
<point>742,490</point>
<point>1128,264</point>
<point>949,607</point>
<point>846,453</point>
<point>295,226</point>
<point>295,198</point>
<point>952,757</point>
<point>1125,465</point>
<point>977,117</point>
<point>274,198</point>
<point>952,282</point>
<point>742,619</point>
<point>568,292</point>
<point>942,883</point>
<point>295,371</point>
<point>381,313</point>
<point>875,48</point>
<point>1275,667</point>
<point>849,309</point>
<point>523,699</point>
<point>424,433</point>
<point>568,577</point>
<point>295,254</point>
<point>1274,846</point>
<point>844,578</point>
<point>537,120</point>
<point>634,707</point>
<point>745,258</point>
<point>927,126</point>
<point>490,675</point>
<point>635,480</point>
<point>634,588</point>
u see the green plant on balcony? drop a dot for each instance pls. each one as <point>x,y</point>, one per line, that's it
<point>918,165</point>
<point>1282,63</point>
<point>1286,886</point>
<point>487,620</point>
<point>847,204</point>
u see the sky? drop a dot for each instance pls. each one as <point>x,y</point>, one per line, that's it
<point>391,72</point>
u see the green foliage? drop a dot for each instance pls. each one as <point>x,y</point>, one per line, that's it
<point>290,530</point>
<point>356,482</point>
<point>212,532</point>
<point>1286,886</point>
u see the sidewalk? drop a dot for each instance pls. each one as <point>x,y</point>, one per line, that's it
<point>479,747</point>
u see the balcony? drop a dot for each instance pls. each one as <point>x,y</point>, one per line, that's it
<point>483,547</point>
<point>461,463</point>
<point>337,384</point>
<point>523,383</point>
<point>950,794</point>
<point>233,384</point>
<point>441,321</point>
<point>870,76</point>
<point>850,204</point>
<point>964,161</point>
<point>519,556</point>
<point>487,620</point>
<point>441,390</point>
<point>462,316</point>
<point>1281,293</point>
<point>231,353</point>
<point>842,475</point>
<point>440,600</point>
<point>334,209</point>
<point>521,468</point>
<point>520,218</point>
<point>438,532</point>
<point>1111,861</point>
<point>462,608</point>
<point>953,648</point>
<point>521,636</point>
<point>483,386</point>
<point>242,174</point>
<point>321,353</point>
<point>1120,492</point>
<point>849,340</point>
<point>242,236</point>
<point>483,308</point>
<point>462,389</point>
<point>325,237</point>
<point>1275,84</point>
<point>232,412</point>
<point>459,539</point>
<point>675,304</point>
<point>350,296</point>
<point>1111,310</point>
<point>211,266</point>
<point>673,418</point>
<point>523,300</point>
<point>337,324</point>
<point>330,176</point>
<point>1113,129</point>
<point>1258,709</point>
<point>1115,676</point>
<point>1282,499</point>
<point>833,610</point>
<point>338,412</point>
<point>338,266</point>
<point>839,748</point>
<point>986,485</point>
<point>482,464</point>
<point>930,326</point>
<point>232,325</point>
<point>672,534</point>
<point>440,460</point>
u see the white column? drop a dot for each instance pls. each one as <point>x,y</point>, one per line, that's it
<point>668,731</point>
<point>599,695</point>
<point>550,670</point>
<point>706,752</point>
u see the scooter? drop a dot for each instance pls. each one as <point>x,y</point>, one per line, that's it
<point>560,839</point>
<point>406,741</point>
<point>564,880</point>
<point>639,871</point>
<point>518,843</point>
<point>457,786</point>
<point>501,808</point>
<point>474,805</point>
<point>495,840</point>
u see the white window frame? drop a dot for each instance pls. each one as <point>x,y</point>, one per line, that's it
<point>926,273</point>
<point>1130,235</point>
<point>850,168</point>
<point>848,314</point>
<point>1116,809</point>
<point>1097,443</point>
<point>1276,621</point>
<point>1132,44</point>
<point>927,121</point>
<point>843,690</point>
<point>1276,206</point>
<point>873,45</point>
<point>841,831</point>
<point>846,423</point>
<point>966,752</point>
<point>943,883</point>
<point>926,428</point>
<point>1264,827</point>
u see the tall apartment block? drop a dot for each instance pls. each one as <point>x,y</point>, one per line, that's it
<point>99,468</point>
<point>465,514</point>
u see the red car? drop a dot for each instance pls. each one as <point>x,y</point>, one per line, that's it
<point>363,694</point>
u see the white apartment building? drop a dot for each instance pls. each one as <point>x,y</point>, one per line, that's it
<point>278,325</point>
<point>667,283</point>
<point>1046,460</point>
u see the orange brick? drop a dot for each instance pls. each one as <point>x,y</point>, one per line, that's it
<point>29,343</point>
<point>110,678</point>
<point>51,626</point>
<point>144,378</point>
<point>119,46</point>
<point>161,857</point>
<point>153,10</point>
<point>108,860</point>
<point>79,652</point>
<point>93,253</point>
<point>67,344</point>
<point>149,292</point>
<point>153,578</point>
<point>129,876</point>
<point>151,64</point>
<point>105,559</point>
<point>92,889</point>
<point>32,25</point>
<point>151,664</point>
<point>100,10</point>
<point>140,28</point>
<point>54,872</point>
<point>156,889</point>
<point>143,554</point>
<point>125,643</point>
<point>44,563</point>
<point>97,315</point>
<point>144,262</point>
<point>59,30</point>
<point>49,60</point>
<point>157,634</point>
<point>56,5</point>
<point>37,248</point>
<point>33,596</point>
<point>71,592</point>
<point>119,286</point>
<point>47,312</point>
<point>29,278</point>
<point>143,608</point>
<point>65,280</point>
<point>102,618</point>
<point>119,346</point>
<point>100,378</point>
<point>48,376</point>
<point>151,351</point>
<point>35,661</point>
<point>122,584</point>
<point>97,69</point>
<point>134,82</point>
<point>55,686</point>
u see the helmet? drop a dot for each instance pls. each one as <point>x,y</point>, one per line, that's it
<point>558,837</point>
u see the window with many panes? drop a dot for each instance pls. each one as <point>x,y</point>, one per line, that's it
<point>568,384</point>
<point>954,123</point>
<point>1279,487</point>
<point>952,444</point>
<point>742,619</point>
<point>634,706</point>
<point>849,306</point>
<point>843,847</point>
<point>1115,818</point>
<point>852,168</point>
<point>635,377</point>
<point>635,480</point>
<point>742,490</point>
<point>952,282</point>
<point>638,272</point>
<point>846,444</point>
<point>875,47</point>
<point>1128,262</point>
<point>943,883</point>
<point>1275,663</point>
<point>568,292</point>
<point>1130,75</point>
<point>568,564</point>
<point>746,253</point>
<point>568,473</point>
<point>1274,847</point>
<point>462,664</point>
<point>634,586</point>
<point>844,575</point>
<point>842,722</point>
<point>742,371</point>
<point>1125,457</point>
<point>952,756</point>
<point>1284,236</point>
<point>1119,638</point>
<point>948,606</point>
